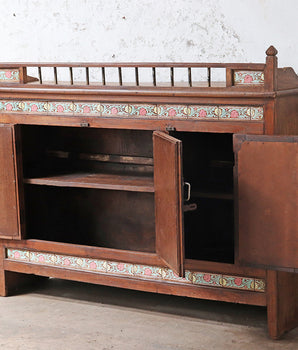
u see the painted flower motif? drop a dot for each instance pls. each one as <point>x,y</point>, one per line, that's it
<point>8,74</point>
<point>172,112</point>
<point>234,114</point>
<point>86,109</point>
<point>72,106</point>
<point>147,271</point>
<point>9,107</point>
<point>114,110</point>
<point>60,108</point>
<point>41,258</point>
<point>120,267</point>
<point>143,111</point>
<point>128,109</point>
<point>46,106</point>
<point>21,105</point>
<point>93,265</point>
<point>202,113</point>
<point>16,255</point>
<point>157,110</point>
<point>34,108</point>
<point>80,262</point>
<point>238,281</point>
<point>66,262</point>
<point>248,79</point>
<point>218,111</point>
<point>187,110</point>
<point>163,273</point>
<point>207,277</point>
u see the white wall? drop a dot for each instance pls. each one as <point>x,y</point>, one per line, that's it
<point>148,30</point>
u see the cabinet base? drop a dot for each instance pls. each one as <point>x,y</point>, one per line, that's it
<point>278,291</point>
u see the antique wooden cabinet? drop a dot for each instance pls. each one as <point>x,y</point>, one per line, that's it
<point>179,188</point>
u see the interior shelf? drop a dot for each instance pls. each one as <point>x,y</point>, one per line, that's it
<point>97,181</point>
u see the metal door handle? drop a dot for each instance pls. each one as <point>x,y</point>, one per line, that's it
<point>188,191</point>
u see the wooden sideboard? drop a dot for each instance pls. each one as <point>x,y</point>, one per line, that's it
<point>184,188</point>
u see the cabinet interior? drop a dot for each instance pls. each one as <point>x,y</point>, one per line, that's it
<point>95,187</point>
<point>208,161</point>
<point>89,186</point>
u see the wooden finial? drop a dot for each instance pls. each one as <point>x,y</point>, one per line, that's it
<point>271,51</point>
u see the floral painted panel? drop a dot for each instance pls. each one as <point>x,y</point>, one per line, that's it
<point>172,111</point>
<point>202,112</point>
<point>142,110</point>
<point>136,271</point>
<point>139,111</point>
<point>9,75</point>
<point>248,77</point>
<point>28,107</point>
<point>239,113</point>
<point>238,282</point>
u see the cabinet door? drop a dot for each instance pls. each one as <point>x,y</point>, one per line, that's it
<point>167,153</point>
<point>267,181</point>
<point>9,218</point>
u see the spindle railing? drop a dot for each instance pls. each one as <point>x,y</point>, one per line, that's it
<point>38,73</point>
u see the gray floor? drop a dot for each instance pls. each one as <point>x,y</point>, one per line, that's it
<point>70,315</point>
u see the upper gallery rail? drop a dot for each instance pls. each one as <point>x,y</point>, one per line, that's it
<point>133,74</point>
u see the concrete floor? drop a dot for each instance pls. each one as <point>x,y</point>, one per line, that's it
<point>70,315</point>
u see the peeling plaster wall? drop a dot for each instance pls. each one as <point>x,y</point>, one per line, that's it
<point>148,30</point>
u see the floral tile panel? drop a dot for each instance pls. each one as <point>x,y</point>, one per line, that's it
<point>143,110</point>
<point>136,270</point>
<point>238,282</point>
<point>9,75</point>
<point>239,113</point>
<point>248,78</point>
<point>138,111</point>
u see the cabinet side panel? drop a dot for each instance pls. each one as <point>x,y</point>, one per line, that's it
<point>267,189</point>
<point>9,225</point>
<point>286,119</point>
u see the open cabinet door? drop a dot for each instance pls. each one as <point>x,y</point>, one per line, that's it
<point>9,218</point>
<point>167,154</point>
<point>267,181</point>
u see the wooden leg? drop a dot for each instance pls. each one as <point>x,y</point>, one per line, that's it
<point>3,289</point>
<point>282,302</point>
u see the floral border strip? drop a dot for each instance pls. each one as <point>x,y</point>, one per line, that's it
<point>139,111</point>
<point>9,76</point>
<point>136,270</point>
<point>248,77</point>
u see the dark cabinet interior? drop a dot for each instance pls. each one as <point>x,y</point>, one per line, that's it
<point>102,218</point>
<point>89,186</point>
<point>95,187</point>
<point>208,161</point>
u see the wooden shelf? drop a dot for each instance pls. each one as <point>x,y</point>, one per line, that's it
<point>98,181</point>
